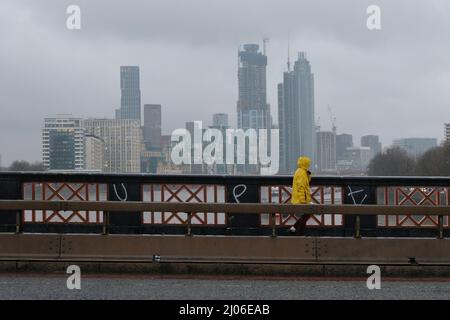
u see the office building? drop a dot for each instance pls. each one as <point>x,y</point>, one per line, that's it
<point>152,127</point>
<point>343,141</point>
<point>296,115</point>
<point>326,151</point>
<point>415,146</point>
<point>373,142</point>
<point>358,158</point>
<point>166,142</point>
<point>166,166</point>
<point>447,133</point>
<point>123,143</point>
<point>150,161</point>
<point>94,153</point>
<point>253,111</point>
<point>130,101</point>
<point>220,120</point>
<point>196,166</point>
<point>252,107</point>
<point>63,143</point>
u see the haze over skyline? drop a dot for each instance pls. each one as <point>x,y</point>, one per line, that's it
<point>394,82</point>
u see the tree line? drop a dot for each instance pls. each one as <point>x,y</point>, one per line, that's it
<point>21,165</point>
<point>397,162</point>
<point>392,162</point>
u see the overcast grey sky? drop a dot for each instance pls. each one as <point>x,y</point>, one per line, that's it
<point>394,82</point>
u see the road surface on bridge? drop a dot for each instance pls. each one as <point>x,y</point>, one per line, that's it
<point>41,286</point>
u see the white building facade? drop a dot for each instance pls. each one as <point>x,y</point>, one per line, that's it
<point>123,141</point>
<point>94,151</point>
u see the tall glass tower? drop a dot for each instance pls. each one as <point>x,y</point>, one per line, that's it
<point>296,115</point>
<point>130,104</point>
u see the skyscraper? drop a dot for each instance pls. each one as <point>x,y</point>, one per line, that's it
<point>152,127</point>
<point>253,111</point>
<point>130,103</point>
<point>296,115</point>
<point>63,143</point>
<point>252,108</point>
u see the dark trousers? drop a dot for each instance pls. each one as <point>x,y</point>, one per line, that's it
<point>300,225</point>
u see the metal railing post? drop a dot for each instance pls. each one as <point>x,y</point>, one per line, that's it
<point>189,221</point>
<point>11,189</point>
<point>358,195</point>
<point>105,226</point>
<point>358,227</point>
<point>18,222</point>
<point>441,227</point>
<point>273,223</point>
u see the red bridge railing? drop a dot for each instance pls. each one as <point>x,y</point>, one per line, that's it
<point>335,192</point>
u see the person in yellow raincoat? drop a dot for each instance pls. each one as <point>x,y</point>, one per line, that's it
<point>301,193</point>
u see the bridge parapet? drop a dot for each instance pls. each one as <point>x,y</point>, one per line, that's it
<point>181,189</point>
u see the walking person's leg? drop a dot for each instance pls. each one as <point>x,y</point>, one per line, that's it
<point>300,225</point>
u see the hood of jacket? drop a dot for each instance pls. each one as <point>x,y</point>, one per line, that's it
<point>304,163</point>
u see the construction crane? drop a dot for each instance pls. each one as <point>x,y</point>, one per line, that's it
<point>265,41</point>
<point>332,119</point>
<point>289,53</point>
<point>318,124</point>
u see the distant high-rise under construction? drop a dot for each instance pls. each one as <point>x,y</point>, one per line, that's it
<point>252,107</point>
<point>253,111</point>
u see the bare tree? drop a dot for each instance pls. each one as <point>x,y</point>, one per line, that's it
<point>393,162</point>
<point>435,162</point>
<point>20,165</point>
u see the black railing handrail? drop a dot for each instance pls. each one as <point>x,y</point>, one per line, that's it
<point>243,208</point>
<point>380,181</point>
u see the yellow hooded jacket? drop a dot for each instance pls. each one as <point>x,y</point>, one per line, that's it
<point>301,194</point>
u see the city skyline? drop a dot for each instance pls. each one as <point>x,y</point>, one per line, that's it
<point>141,109</point>
<point>359,73</point>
